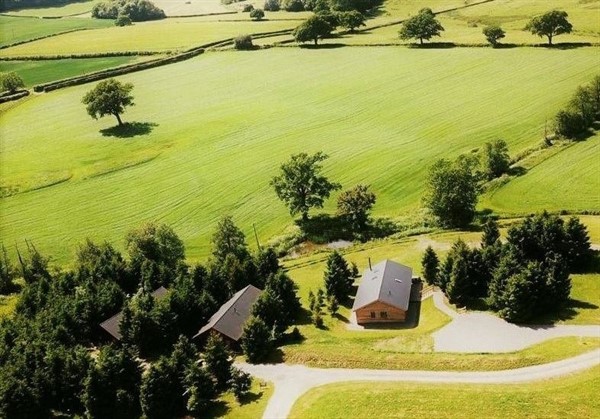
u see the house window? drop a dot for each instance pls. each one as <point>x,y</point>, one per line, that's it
<point>372,314</point>
<point>383,314</point>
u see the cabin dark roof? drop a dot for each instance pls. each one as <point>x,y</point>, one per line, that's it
<point>230,318</point>
<point>111,325</point>
<point>388,282</point>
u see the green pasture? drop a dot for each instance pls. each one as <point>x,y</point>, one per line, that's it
<point>572,396</point>
<point>70,9</point>
<point>567,180</point>
<point>214,130</point>
<point>36,72</point>
<point>17,29</point>
<point>161,35</point>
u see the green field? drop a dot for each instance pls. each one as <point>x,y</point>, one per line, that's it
<point>252,406</point>
<point>37,72</point>
<point>567,180</point>
<point>70,9</point>
<point>573,396</point>
<point>18,29</point>
<point>207,155</point>
<point>161,35</point>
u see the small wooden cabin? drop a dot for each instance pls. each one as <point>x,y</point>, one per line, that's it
<point>383,294</point>
<point>230,319</point>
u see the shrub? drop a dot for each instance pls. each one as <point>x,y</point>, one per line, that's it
<point>243,42</point>
<point>247,8</point>
<point>569,124</point>
<point>257,14</point>
<point>493,34</point>
<point>272,5</point>
<point>123,20</point>
<point>292,5</point>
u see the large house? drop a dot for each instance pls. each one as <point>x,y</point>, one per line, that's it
<point>112,326</point>
<point>384,293</point>
<point>229,320</point>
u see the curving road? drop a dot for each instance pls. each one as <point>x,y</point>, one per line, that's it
<point>291,381</point>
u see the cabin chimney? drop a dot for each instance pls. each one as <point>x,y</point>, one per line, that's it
<point>370,268</point>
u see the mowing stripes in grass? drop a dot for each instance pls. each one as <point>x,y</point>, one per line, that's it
<point>226,121</point>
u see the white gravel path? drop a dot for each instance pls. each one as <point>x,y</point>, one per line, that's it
<point>291,381</point>
<point>479,332</point>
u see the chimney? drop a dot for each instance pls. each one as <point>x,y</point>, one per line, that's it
<point>370,268</point>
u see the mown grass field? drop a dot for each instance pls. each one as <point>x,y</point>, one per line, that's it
<point>18,29</point>
<point>573,396</point>
<point>207,154</point>
<point>71,9</point>
<point>161,35</point>
<point>567,180</point>
<point>36,72</point>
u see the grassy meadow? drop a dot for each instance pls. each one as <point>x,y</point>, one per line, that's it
<point>37,72</point>
<point>200,154</point>
<point>70,9</point>
<point>572,396</point>
<point>570,178</point>
<point>18,29</point>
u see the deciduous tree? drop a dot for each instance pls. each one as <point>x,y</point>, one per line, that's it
<point>312,29</point>
<point>493,34</point>
<point>109,97</point>
<point>422,26</point>
<point>355,205</point>
<point>550,24</point>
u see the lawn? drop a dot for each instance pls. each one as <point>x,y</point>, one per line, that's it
<point>567,180</point>
<point>36,72</point>
<point>574,396</point>
<point>203,155</point>
<point>251,407</point>
<point>161,35</point>
<point>18,29</point>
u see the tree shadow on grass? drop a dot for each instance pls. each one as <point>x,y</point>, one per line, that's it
<point>569,312</point>
<point>129,129</point>
<point>218,409</point>
<point>433,45</point>
<point>566,45</point>
<point>324,228</point>
<point>250,397</point>
<point>323,46</point>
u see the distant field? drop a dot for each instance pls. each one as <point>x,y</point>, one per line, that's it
<point>36,72</point>
<point>17,29</point>
<point>567,397</point>
<point>192,7</point>
<point>162,35</point>
<point>209,155</point>
<point>568,180</point>
<point>64,10</point>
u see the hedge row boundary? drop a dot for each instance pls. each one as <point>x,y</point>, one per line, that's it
<point>14,44</point>
<point>14,96</point>
<point>83,56</point>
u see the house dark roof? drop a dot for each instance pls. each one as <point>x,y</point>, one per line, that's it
<point>111,325</point>
<point>230,318</point>
<point>388,282</point>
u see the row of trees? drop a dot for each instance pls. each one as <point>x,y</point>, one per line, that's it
<point>453,187</point>
<point>582,110</point>
<point>424,26</point>
<point>300,185</point>
<point>525,277</point>
<point>321,25</point>
<point>321,6</point>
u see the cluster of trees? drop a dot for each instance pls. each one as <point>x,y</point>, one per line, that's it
<point>301,186</point>
<point>243,43</point>
<point>321,6</point>
<point>452,187</point>
<point>338,280</point>
<point>276,309</point>
<point>11,82</point>
<point>135,10</point>
<point>525,277</point>
<point>43,347</point>
<point>322,23</point>
<point>583,109</point>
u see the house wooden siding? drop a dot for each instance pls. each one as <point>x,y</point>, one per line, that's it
<point>393,314</point>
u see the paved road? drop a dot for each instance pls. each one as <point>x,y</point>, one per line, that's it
<point>291,381</point>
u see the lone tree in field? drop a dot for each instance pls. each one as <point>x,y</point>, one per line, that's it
<point>257,14</point>
<point>11,82</point>
<point>451,193</point>
<point>493,34</point>
<point>109,97</point>
<point>355,204</point>
<point>422,26</point>
<point>300,184</point>
<point>312,29</point>
<point>550,24</point>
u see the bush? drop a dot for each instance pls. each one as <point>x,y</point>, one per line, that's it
<point>292,5</point>
<point>569,124</point>
<point>257,14</point>
<point>137,10</point>
<point>243,42</point>
<point>123,20</point>
<point>272,5</point>
<point>11,82</point>
<point>247,8</point>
